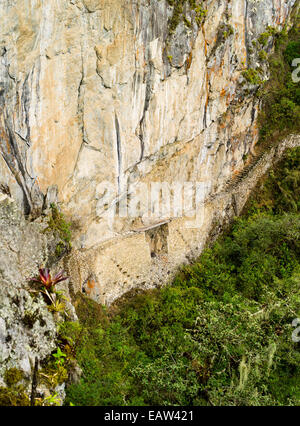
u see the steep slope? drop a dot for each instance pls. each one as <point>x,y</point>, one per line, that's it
<point>105,97</point>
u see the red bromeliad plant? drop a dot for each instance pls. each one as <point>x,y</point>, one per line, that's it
<point>47,281</point>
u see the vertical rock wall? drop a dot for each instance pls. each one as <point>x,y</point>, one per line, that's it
<point>118,91</point>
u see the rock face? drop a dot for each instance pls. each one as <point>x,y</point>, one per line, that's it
<point>104,97</point>
<point>27,328</point>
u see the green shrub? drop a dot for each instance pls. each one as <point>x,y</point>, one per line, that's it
<point>292,51</point>
<point>281,190</point>
<point>58,223</point>
<point>280,114</point>
<point>178,15</point>
<point>252,76</point>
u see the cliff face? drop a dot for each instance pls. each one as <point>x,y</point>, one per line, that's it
<point>27,328</point>
<point>128,92</point>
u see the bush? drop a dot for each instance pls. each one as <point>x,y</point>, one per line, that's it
<point>280,113</point>
<point>281,190</point>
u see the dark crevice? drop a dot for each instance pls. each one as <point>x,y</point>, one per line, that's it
<point>246,33</point>
<point>149,88</point>
<point>119,149</point>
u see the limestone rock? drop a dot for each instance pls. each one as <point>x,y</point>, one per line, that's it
<point>98,94</point>
<point>27,328</point>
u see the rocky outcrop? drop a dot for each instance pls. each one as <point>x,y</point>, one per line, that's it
<point>104,97</point>
<point>28,330</point>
